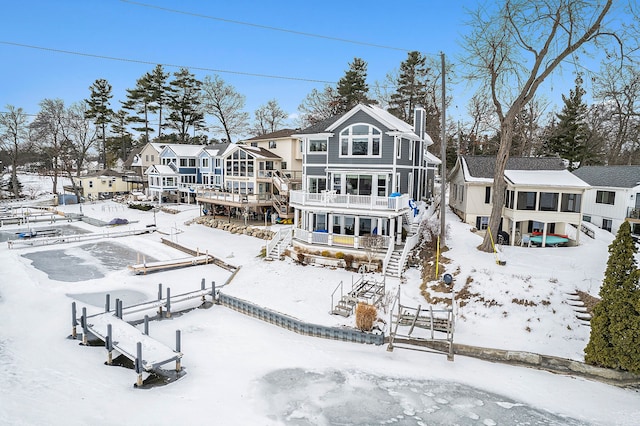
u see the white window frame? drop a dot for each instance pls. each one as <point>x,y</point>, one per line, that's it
<point>349,138</point>
<point>319,151</point>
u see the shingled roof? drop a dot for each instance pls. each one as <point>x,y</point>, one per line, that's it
<point>484,167</point>
<point>284,133</point>
<point>321,126</point>
<point>610,176</point>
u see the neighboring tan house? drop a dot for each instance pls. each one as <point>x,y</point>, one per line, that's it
<point>542,197</point>
<point>104,184</point>
<point>247,179</point>
<point>614,196</point>
<point>148,156</point>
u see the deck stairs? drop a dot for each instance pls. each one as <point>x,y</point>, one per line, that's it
<point>581,312</point>
<point>393,267</point>
<point>365,289</point>
<point>276,247</point>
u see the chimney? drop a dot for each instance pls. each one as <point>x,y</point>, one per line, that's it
<point>419,121</point>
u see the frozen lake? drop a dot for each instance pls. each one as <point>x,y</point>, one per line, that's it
<point>85,262</point>
<point>302,397</point>
<point>64,230</point>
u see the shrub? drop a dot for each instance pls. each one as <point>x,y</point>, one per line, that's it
<point>339,255</point>
<point>143,207</point>
<point>301,257</point>
<point>348,258</point>
<point>365,316</point>
<point>326,253</point>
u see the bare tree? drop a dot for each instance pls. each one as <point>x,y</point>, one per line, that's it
<point>221,100</point>
<point>269,118</point>
<point>48,134</point>
<point>81,135</point>
<point>513,50</point>
<point>618,89</point>
<point>318,106</point>
<point>14,137</point>
<point>382,90</point>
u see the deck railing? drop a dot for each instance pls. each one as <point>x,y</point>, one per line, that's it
<point>341,240</point>
<point>332,199</point>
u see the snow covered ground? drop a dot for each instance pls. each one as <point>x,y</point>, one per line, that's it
<point>243,371</point>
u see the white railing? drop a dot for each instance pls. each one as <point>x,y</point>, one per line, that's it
<point>283,235</point>
<point>409,244</point>
<point>231,197</point>
<point>387,256</point>
<point>341,240</point>
<point>332,199</point>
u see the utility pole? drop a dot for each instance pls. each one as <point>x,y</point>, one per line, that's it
<point>444,159</point>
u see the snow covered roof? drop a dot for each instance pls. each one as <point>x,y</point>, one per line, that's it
<point>254,150</point>
<point>432,158</point>
<point>278,134</point>
<point>184,150</point>
<point>484,167</point>
<point>551,178</point>
<point>610,176</point>
<point>160,169</point>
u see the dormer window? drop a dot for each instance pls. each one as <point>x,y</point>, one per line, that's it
<point>360,140</point>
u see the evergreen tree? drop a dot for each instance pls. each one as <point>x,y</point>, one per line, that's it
<point>159,91</point>
<point>411,87</point>
<point>120,145</point>
<point>185,105</point>
<point>569,138</point>
<point>100,112</point>
<point>140,103</point>
<point>615,325</point>
<point>353,88</point>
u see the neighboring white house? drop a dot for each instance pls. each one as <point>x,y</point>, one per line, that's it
<point>614,196</point>
<point>541,197</point>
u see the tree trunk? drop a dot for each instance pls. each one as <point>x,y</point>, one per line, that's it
<point>499,184</point>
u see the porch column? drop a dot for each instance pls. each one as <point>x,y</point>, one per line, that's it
<point>399,231</point>
<point>379,226</point>
<point>356,226</point>
<point>296,221</point>
<point>310,222</point>
<point>392,230</point>
<point>513,232</point>
<point>544,234</point>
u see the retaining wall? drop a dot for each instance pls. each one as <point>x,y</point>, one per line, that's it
<point>300,327</point>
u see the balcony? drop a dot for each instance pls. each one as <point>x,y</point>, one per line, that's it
<point>633,213</point>
<point>233,199</point>
<point>330,199</point>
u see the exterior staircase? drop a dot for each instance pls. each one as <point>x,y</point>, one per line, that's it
<point>393,267</point>
<point>277,245</point>
<point>364,290</point>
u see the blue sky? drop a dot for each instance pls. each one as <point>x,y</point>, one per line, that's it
<point>132,31</point>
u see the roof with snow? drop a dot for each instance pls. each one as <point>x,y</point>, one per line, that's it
<point>610,176</point>
<point>254,150</point>
<point>284,133</point>
<point>184,150</point>
<point>552,178</point>
<point>484,167</point>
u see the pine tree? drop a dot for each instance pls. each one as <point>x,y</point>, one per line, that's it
<point>570,136</point>
<point>410,87</point>
<point>185,105</point>
<point>140,103</point>
<point>99,110</point>
<point>159,91</point>
<point>615,325</point>
<point>353,88</point>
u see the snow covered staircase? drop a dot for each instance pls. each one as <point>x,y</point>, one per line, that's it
<point>277,245</point>
<point>575,301</point>
<point>393,267</point>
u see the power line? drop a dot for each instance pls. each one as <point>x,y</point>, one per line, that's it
<point>265,27</point>
<point>139,61</point>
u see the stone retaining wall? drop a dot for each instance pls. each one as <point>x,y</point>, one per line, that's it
<point>232,227</point>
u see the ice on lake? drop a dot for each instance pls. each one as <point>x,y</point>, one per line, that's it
<point>301,397</point>
<point>85,262</point>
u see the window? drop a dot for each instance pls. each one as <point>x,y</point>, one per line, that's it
<point>571,203</point>
<point>90,184</point>
<point>487,194</point>
<point>360,140</point>
<point>548,201</point>
<point>320,220</point>
<point>183,162</point>
<point>146,157</point>
<point>482,222</point>
<point>586,218</point>
<point>605,197</point>
<point>153,158</point>
<point>272,144</point>
<point>110,184</point>
<point>318,145</point>
<point>205,162</point>
<point>283,165</point>
<point>317,185</point>
<point>192,162</point>
<point>254,144</point>
<point>606,224</point>
<point>526,201</point>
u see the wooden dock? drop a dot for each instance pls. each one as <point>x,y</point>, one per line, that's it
<point>161,265</point>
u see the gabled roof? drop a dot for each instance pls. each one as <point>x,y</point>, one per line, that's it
<point>484,167</point>
<point>183,149</point>
<point>216,149</point>
<point>547,178</point>
<point>160,169</point>
<point>320,127</point>
<point>432,158</point>
<point>610,176</point>
<point>254,150</point>
<point>284,133</point>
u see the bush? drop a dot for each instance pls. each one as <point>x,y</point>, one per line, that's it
<point>143,207</point>
<point>348,259</point>
<point>339,255</point>
<point>301,257</point>
<point>365,316</point>
<point>326,253</point>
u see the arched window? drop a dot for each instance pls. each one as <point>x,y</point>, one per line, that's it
<point>360,140</point>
